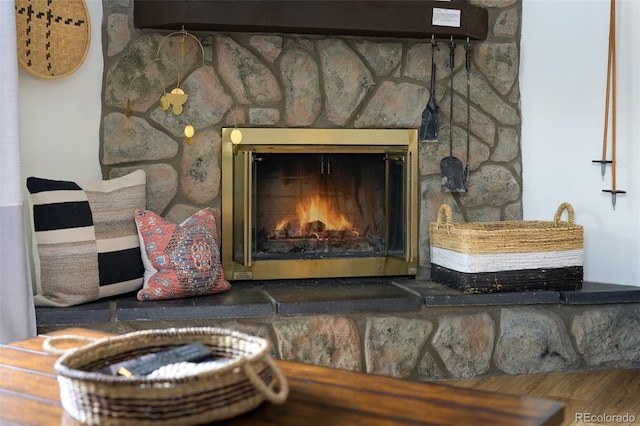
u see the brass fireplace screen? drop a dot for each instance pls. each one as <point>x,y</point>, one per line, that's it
<point>319,203</point>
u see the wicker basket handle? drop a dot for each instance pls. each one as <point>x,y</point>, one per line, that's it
<point>270,394</point>
<point>445,218</point>
<point>564,206</point>
<point>51,343</point>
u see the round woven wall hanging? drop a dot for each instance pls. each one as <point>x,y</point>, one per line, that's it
<point>53,36</point>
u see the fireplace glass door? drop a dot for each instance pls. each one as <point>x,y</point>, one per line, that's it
<point>304,210</point>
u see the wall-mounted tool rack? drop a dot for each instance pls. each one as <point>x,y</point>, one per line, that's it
<point>376,18</point>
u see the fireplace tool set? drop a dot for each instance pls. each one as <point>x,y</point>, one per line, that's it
<point>611,93</point>
<point>431,114</point>
<point>455,175</point>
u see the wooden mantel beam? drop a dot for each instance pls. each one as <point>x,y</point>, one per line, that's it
<point>371,18</point>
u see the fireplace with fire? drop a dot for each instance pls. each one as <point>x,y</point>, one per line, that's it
<point>318,203</point>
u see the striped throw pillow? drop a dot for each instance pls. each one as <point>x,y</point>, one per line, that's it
<point>87,242</point>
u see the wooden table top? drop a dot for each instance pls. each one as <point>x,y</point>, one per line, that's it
<point>29,395</point>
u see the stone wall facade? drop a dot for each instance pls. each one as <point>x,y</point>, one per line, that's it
<point>282,80</point>
<point>278,80</point>
<point>440,343</point>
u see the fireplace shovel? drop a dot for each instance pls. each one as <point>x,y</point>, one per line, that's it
<point>451,168</point>
<point>431,114</point>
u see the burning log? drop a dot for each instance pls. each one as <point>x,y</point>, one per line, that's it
<point>314,228</point>
<point>317,245</point>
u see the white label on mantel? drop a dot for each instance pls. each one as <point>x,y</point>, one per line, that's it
<point>446,17</point>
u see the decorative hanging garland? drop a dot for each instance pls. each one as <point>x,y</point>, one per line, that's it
<point>177,97</point>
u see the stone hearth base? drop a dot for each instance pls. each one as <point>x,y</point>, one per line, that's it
<point>399,327</point>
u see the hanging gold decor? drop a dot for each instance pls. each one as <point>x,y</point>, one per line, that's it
<point>236,134</point>
<point>164,108</point>
<point>189,131</point>
<point>177,98</point>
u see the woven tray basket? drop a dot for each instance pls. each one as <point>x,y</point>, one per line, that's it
<point>480,257</point>
<point>214,394</point>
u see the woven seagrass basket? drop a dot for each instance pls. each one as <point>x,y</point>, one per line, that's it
<point>53,37</point>
<point>482,257</point>
<point>217,393</point>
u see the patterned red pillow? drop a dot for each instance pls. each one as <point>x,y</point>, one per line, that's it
<point>180,260</point>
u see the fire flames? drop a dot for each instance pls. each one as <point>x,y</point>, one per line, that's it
<point>314,217</point>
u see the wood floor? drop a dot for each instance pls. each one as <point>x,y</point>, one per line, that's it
<point>585,393</point>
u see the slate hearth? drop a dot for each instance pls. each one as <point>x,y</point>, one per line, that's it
<point>314,297</point>
<point>399,327</point>
<point>248,299</point>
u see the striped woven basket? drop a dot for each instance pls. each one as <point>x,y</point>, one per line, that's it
<point>209,394</point>
<point>482,257</point>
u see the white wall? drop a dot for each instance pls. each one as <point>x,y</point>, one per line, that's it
<point>563,85</point>
<point>60,118</point>
<point>562,75</point>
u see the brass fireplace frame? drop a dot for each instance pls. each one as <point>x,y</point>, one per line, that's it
<point>396,142</point>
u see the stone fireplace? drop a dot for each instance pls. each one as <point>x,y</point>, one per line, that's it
<point>398,326</point>
<point>319,203</point>
<point>271,80</point>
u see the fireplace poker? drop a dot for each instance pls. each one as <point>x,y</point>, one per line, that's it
<point>612,67</point>
<point>467,58</point>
